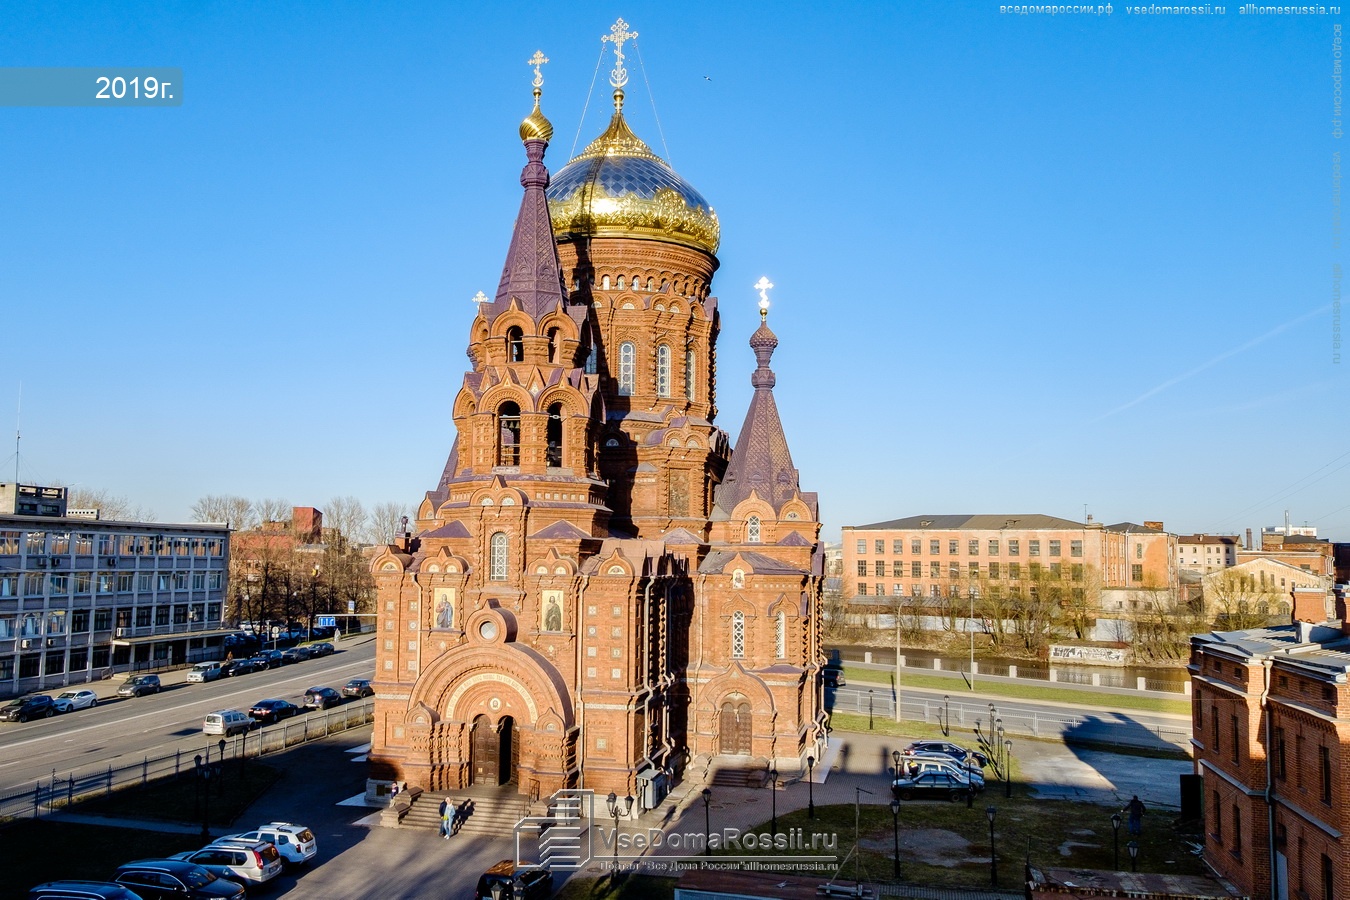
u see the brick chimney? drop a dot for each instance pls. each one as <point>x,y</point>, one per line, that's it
<point>1309,605</point>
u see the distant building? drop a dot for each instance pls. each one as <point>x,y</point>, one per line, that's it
<point>1302,551</point>
<point>1205,553</point>
<point>1260,586</point>
<point>79,596</point>
<point>945,555</point>
<point>1271,720</point>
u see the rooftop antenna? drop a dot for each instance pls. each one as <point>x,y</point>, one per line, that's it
<point>18,419</point>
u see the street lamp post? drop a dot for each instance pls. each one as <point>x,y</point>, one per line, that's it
<point>1133,847</point>
<point>946,716</point>
<point>1007,775</point>
<point>970,783</point>
<point>993,853</point>
<point>204,785</point>
<point>810,787</point>
<point>707,823</point>
<point>895,818</point>
<point>1115,834</point>
<point>773,798</point>
<point>220,768</point>
<point>870,692</point>
<point>617,809</point>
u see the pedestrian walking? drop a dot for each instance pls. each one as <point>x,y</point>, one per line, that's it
<point>1135,810</point>
<point>445,810</point>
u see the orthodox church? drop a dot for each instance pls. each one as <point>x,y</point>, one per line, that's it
<point>601,592</point>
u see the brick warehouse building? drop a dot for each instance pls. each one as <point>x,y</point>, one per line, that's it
<point>1271,723</point>
<point>601,590</point>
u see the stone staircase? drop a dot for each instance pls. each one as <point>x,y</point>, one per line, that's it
<point>490,812</point>
<point>736,771</point>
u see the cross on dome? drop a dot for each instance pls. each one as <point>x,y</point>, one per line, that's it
<point>537,60</point>
<point>481,297</point>
<point>763,286</point>
<point>618,33</point>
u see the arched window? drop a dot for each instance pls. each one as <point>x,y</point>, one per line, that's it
<point>689,375</point>
<point>752,530</point>
<point>627,368</point>
<point>738,635</point>
<point>604,283</point>
<point>649,284</point>
<point>592,360</point>
<point>553,345</point>
<point>780,636</point>
<point>663,371</point>
<point>497,557</point>
<point>618,285</point>
<point>555,435</point>
<point>515,344</point>
<point>508,428</point>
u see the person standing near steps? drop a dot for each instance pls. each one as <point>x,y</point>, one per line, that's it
<point>445,809</point>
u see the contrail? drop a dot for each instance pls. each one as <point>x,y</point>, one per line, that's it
<point>1213,362</point>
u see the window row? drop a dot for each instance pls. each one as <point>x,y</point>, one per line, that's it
<point>64,543</point>
<point>973,570</point>
<point>32,665</point>
<point>78,621</point>
<point>60,584</point>
<point>936,591</point>
<point>661,378</point>
<point>508,435</point>
<point>953,545</point>
<point>738,635</point>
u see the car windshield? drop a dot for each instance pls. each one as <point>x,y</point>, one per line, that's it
<point>19,702</point>
<point>67,695</point>
<point>197,876</point>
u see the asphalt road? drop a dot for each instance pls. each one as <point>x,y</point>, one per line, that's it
<point>120,731</point>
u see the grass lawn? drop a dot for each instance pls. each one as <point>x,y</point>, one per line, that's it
<point>1021,690</point>
<point>41,850</point>
<point>181,800</point>
<point>627,887</point>
<point>945,844</point>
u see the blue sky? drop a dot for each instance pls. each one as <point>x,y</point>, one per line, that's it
<point>1023,263</point>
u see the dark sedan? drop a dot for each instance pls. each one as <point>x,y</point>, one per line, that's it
<point>270,711</point>
<point>38,706</point>
<point>323,648</point>
<point>933,785</point>
<point>358,687</point>
<point>955,751</point>
<point>238,667</point>
<point>321,698</point>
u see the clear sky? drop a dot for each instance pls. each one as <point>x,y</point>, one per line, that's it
<point>1023,263</point>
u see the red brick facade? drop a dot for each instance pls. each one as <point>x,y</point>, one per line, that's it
<point>600,589</point>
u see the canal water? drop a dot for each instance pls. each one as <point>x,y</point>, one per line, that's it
<point>1155,679</point>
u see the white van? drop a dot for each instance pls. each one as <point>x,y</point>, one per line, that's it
<point>206,671</point>
<point>226,722</point>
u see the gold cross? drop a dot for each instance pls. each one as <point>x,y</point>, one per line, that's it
<point>537,60</point>
<point>618,33</point>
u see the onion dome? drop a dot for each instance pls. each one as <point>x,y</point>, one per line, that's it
<point>617,187</point>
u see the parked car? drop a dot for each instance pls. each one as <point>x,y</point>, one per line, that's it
<point>267,659</point>
<point>932,785</point>
<point>296,843</point>
<point>358,687</point>
<point>832,677</point>
<point>21,709</point>
<point>252,864</point>
<point>321,698</point>
<point>269,711</point>
<point>294,655</point>
<point>176,879</point>
<point>232,667</point>
<point>913,764</point>
<point>323,648</point>
<point>955,751</point>
<point>226,722</point>
<point>82,890</point>
<point>523,882</point>
<point>204,671</point>
<point>82,699</point>
<point>139,686</point>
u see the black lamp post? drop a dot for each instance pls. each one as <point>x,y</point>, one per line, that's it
<point>1007,775</point>
<point>707,823</point>
<point>993,853</point>
<point>810,787</point>
<point>895,818</point>
<point>869,708</point>
<point>970,782</point>
<point>946,716</point>
<point>1133,847</point>
<point>220,768</point>
<point>1115,835</point>
<point>895,756</point>
<point>617,809</point>
<point>204,785</point>
<point>773,797</point>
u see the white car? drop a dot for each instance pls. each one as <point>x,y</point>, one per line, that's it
<point>296,843</point>
<point>69,700</point>
<point>207,671</point>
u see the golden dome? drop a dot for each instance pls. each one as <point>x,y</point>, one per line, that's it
<point>618,187</point>
<point>536,127</point>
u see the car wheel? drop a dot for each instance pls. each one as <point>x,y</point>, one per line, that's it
<point>49,713</point>
<point>906,795</point>
<point>93,703</point>
<point>958,796</point>
<point>23,717</point>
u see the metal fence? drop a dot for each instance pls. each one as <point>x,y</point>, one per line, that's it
<point>1085,726</point>
<point>64,790</point>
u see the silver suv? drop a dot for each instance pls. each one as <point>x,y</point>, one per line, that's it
<point>296,843</point>
<point>251,863</point>
<point>139,686</point>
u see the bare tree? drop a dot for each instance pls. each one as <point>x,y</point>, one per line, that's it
<point>236,511</point>
<point>1237,600</point>
<point>386,522</point>
<point>348,517</point>
<point>273,510</point>
<point>109,505</point>
<point>1163,625</point>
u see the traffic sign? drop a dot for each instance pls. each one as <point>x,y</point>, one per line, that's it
<point>326,621</point>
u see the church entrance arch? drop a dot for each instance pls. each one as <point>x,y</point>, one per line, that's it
<point>492,751</point>
<point>736,726</point>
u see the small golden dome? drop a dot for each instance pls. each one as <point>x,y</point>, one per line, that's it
<point>536,127</point>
